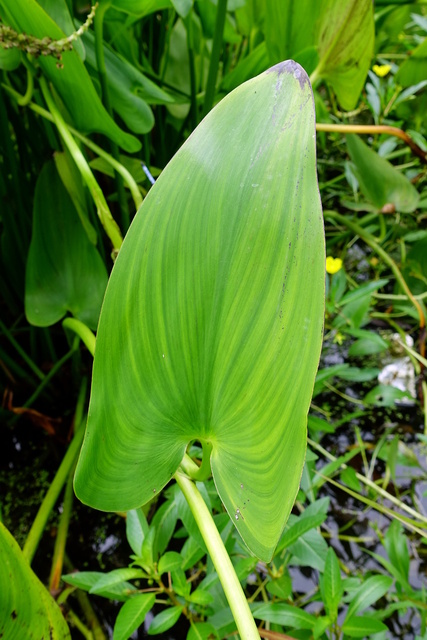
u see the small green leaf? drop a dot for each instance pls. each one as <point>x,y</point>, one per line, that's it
<point>202,631</point>
<point>164,620</point>
<point>179,582</point>
<point>331,584</point>
<point>299,528</point>
<point>84,580</point>
<point>114,578</point>
<point>201,597</point>
<point>280,587</point>
<point>363,626</point>
<point>396,546</point>
<point>360,293</point>
<point>164,521</point>
<point>170,561</point>
<point>348,476</point>
<point>379,181</point>
<point>192,553</point>
<point>132,615</point>
<point>310,550</point>
<point>368,593</point>
<point>322,623</point>
<point>148,554</point>
<point>384,395</point>
<point>283,614</point>
<point>244,567</point>
<point>136,529</point>
<point>27,610</point>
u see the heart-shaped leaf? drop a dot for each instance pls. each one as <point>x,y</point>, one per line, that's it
<point>64,270</point>
<point>211,326</point>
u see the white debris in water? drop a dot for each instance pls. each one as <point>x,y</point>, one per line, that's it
<point>399,373</point>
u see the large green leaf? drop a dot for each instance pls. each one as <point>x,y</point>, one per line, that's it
<point>211,326</point>
<point>27,610</point>
<point>379,181</point>
<point>72,82</point>
<point>64,270</point>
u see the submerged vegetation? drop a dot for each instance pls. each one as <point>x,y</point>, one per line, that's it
<point>210,331</point>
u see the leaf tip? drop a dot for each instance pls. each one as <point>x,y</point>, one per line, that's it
<point>291,67</point>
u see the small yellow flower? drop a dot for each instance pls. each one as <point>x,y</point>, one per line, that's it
<point>381,70</point>
<point>333,264</point>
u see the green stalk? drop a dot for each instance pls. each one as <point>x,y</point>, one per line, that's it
<point>221,14</point>
<point>220,558</point>
<point>26,98</point>
<point>378,507</point>
<point>21,352</point>
<point>369,483</point>
<point>104,213</point>
<point>52,494</point>
<point>84,333</point>
<point>127,177</point>
<point>374,129</point>
<point>102,73</point>
<point>56,367</point>
<point>192,70</point>
<point>202,473</point>
<point>61,536</point>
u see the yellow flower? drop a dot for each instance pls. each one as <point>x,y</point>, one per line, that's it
<point>333,264</point>
<point>381,70</point>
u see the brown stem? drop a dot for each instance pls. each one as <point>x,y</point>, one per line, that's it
<point>375,129</point>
